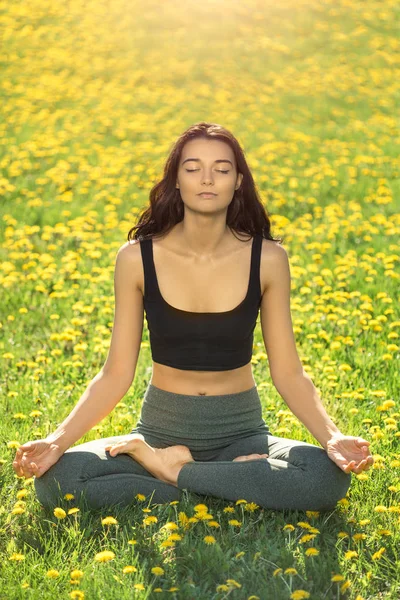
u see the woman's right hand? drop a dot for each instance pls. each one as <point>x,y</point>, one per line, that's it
<point>35,458</point>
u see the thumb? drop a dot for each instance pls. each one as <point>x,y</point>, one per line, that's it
<point>24,447</point>
<point>113,450</point>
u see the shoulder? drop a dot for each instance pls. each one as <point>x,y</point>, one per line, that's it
<point>129,259</point>
<point>274,262</point>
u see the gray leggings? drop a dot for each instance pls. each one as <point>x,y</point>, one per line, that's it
<point>216,429</point>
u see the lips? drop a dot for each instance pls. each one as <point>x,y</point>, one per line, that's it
<point>207,194</point>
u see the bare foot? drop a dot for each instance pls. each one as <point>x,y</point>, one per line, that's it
<point>250,457</point>
<point>163,463</point>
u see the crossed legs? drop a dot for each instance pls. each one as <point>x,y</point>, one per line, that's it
<point>296,475</point>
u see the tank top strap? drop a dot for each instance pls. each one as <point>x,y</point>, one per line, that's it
<point>255,285</point>
<point>150,278</point>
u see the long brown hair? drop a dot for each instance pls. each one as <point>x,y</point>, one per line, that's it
<point>246,213</point>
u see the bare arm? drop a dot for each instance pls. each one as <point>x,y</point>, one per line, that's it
<point>286,369</point>
<point>113,381</point>
<point>100,397</point>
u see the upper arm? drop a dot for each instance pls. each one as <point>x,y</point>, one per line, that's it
<point>275,316</point>
<point>128,315</point>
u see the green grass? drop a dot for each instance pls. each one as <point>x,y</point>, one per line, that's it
<point>93,95</point>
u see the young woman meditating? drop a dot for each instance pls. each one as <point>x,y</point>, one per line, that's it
<point>202,265</point>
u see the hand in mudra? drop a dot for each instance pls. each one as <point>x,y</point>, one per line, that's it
<point>350,453</point>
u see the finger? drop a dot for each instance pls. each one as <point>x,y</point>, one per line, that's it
<point>35,469</point>
<point>349,467</point>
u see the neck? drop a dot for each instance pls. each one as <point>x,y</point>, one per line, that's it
<point>202,243</point>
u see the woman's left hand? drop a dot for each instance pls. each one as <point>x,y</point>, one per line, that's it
<point>349,453</point>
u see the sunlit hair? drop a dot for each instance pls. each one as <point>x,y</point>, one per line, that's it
<point>245,214</point>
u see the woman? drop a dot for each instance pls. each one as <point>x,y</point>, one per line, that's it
<point>202,283</point>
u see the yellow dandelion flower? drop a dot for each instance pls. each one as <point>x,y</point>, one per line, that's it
<point>170,526</point>
<point>18,510</point>
<point>299,595</point>
<point>201,507</point>
<point>174,502</point>
<point>277,571</point>
<point>380,508</point>
<point>229,509</point>
<point>222,588</point>
<point>251,506</point>
<point>69,497</point>
<point>139,586</point>
<point>167,544</point>
<point>306,538</point>
<point>289,526</point>
<point>149,520</point>
<point>73,511</point>
<point>129,569</point>
<point>209,539</point>
<point>342,534</point>
<point>350,554</point>
<point>77,574</point>
<point>377,555</point>
<point>53,573</point>
<point>290,571</point>
<point>235,523</point>
<point>312,513</point>
<point>253,598</point>
<point>104,556</point>
<point>157,590</point>
<point>311,552</point>
<point>174,537</point>
<point>239,554</point>
<point>359,536</point>
<point>25,585</point>
<point>59,513</point>
<point>157,571</point>
<point>241,501</point>
<point>233,583</point>
<point>213,524</point>
<point>109,521</point>
<point>140,497</point>
<point>173,589</point>
<point>345,586</point>
<point>77,595</point>
<point>183,519</point>
<point>16,556</point>
<point>337,578</point>
<point>304,524</point>
<point>22,493</point>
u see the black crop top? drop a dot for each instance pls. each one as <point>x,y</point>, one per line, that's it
<point>194,341</point>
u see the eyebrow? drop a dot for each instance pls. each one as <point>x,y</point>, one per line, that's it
<point>220,160</point>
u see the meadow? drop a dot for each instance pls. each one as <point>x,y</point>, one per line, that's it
<point>92,96</point>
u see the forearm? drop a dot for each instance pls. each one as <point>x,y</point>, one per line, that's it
<point>301,396</point>
<point>100,397</point>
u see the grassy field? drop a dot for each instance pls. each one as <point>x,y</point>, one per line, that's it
<point>93,94</point>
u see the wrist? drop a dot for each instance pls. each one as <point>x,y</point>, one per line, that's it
<point>57,441</point>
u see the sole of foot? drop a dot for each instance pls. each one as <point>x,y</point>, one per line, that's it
<point>162,463</point>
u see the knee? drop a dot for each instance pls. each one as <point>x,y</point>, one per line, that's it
<point>62,478</point>
<point>331,482</point>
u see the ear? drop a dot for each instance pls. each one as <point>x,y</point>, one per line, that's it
<point>239,180</point>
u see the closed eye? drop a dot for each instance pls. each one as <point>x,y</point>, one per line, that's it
<point>193,170</point>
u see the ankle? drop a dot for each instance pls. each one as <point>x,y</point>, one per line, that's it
<point>178,470</point>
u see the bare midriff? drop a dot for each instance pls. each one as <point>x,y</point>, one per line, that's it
<point>189,280</point>
<point>202,383</point>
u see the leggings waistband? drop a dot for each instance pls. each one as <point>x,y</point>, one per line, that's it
<point>199,420</point>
